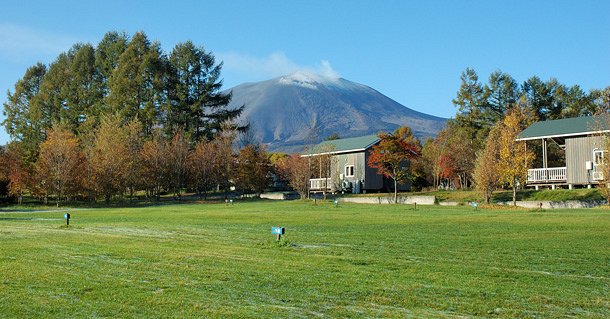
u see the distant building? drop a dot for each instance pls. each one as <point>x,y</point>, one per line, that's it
<point>341,166</point>
<point>582,140</point>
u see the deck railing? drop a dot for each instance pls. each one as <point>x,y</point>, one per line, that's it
<point>318,184</point>
<point>546,175</point>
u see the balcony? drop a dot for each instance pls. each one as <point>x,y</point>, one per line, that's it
<point>546,175</point>
<point>319,184</point>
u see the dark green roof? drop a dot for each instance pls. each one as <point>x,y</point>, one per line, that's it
<point>345,145</point>
<point>576,126</point>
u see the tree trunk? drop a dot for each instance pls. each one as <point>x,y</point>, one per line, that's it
<point>395,191</point>
<point>515,195</point>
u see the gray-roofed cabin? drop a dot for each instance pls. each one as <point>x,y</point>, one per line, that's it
<point>345,166</point>
<point>581,138</point>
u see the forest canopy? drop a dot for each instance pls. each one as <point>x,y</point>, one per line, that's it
<point>128,76</point>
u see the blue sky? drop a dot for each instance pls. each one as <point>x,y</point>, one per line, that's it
<point>411,51</point>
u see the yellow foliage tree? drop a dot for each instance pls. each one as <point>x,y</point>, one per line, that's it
<point>109,157</point>
<point>514,156</point>
<point>486,171</point>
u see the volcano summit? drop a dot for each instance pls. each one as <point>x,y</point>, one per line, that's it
<point>300,109</point>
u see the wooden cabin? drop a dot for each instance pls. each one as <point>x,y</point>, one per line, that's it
<point>341,166</point>
<point>583,141</point>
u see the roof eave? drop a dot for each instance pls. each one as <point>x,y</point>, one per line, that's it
<point>563,135</point>
<point>336,152</point>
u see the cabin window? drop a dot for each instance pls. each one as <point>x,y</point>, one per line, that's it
<point>349,170</point>
<point>598,157</point>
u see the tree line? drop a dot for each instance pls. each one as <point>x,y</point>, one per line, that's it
<point>122,116</point>
<point>126,76</point>
<point>118,161</point>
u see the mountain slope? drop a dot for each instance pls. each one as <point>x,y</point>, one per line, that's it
<point>292,111</point>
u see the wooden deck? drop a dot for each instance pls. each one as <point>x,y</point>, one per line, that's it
<point>319,184</point>
<point>553,175</point>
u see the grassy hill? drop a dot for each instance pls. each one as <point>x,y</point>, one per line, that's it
<point>214,260</point>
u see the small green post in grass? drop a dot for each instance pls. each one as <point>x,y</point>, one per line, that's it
<point>67,218</point>
<point>414,205</point>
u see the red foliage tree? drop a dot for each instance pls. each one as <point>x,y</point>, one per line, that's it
<point>391,158</point>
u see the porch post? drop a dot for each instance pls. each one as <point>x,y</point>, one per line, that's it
<point>544,156</point>
<point>320,160</point>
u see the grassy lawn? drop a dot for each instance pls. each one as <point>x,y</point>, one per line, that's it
<point>213,260</point>
<point>503,195</point>
<point>526,195</point>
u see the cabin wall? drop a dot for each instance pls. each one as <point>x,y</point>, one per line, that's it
<point>579,150</point>
<point>340,161</point>
<point>368,177</point>
<point>373,180</point>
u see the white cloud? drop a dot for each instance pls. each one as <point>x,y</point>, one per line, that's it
<point>18,42</point>
<point>273,65</point>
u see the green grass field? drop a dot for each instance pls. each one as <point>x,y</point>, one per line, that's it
<point>507,196</point>
<point>213,260</point>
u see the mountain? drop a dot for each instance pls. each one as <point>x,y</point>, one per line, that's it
<point>300,109</point>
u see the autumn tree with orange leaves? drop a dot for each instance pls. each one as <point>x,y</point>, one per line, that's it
<point>177,162</point>
<point>3,172</point>
<point>202,176</point>
<point>153,158</point>
<point>391,157</point>
<point>59,165</point>
<point>295,169</point>
<point>252,173</point>
<point>18,173</point>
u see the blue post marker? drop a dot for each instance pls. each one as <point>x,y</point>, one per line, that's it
<point>231,201</point>
<point>474,205</point>
<point>336,202</point>
<point>279,231</point>
<point>67,218</point>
